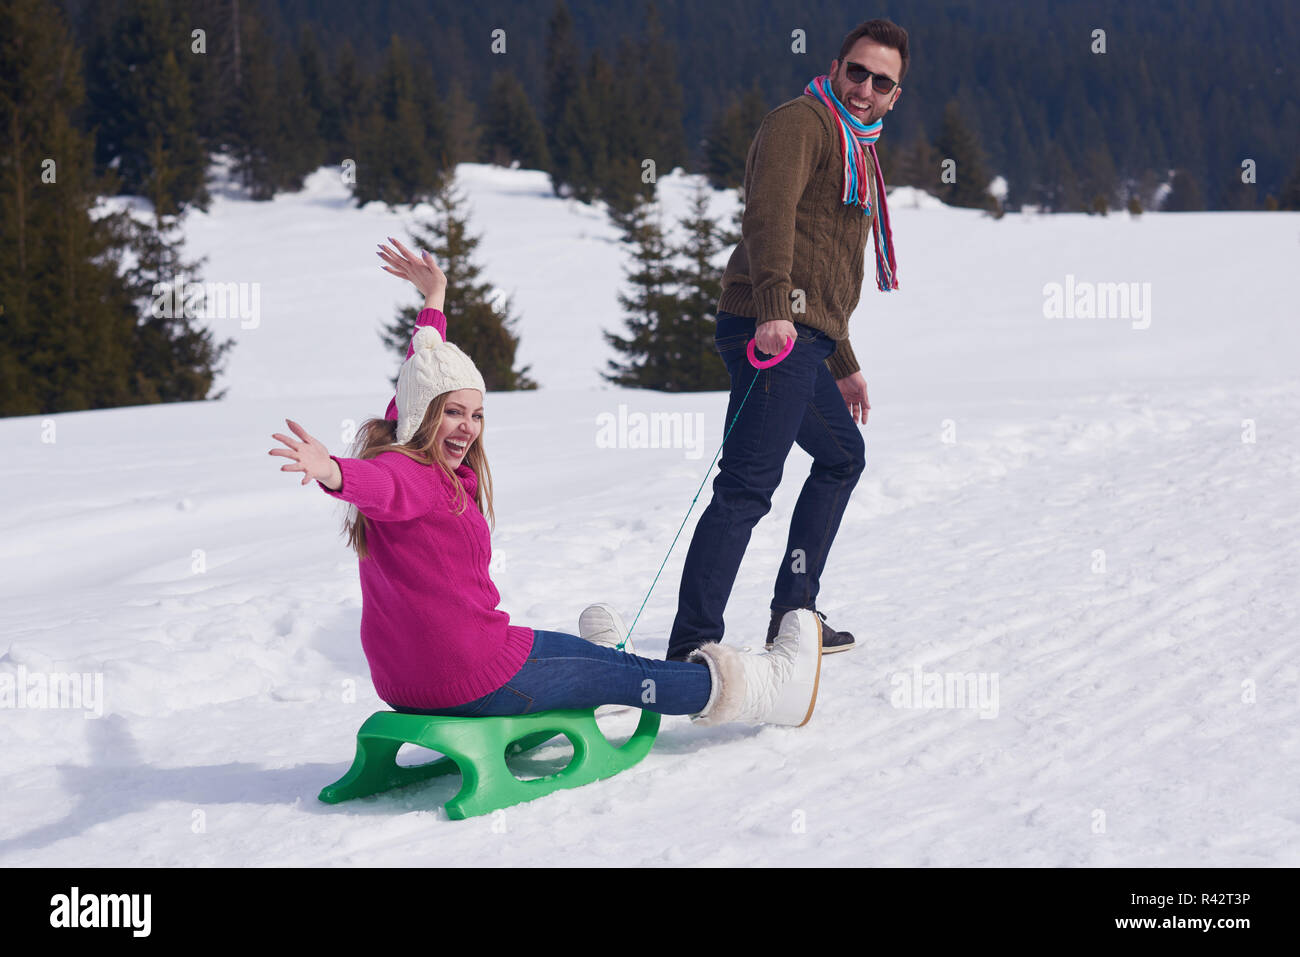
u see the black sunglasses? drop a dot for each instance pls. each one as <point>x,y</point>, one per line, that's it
<point>857,73</point>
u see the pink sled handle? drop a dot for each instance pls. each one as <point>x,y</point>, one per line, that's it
<point>758,363</point>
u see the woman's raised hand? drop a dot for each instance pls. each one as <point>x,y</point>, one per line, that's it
<point>420,270</point>
<point>310,456</point>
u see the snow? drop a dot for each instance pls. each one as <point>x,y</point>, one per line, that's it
<point>1094,518</point>
<point>910,197</point>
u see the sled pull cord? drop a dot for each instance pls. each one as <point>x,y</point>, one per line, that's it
<point>758,364</point>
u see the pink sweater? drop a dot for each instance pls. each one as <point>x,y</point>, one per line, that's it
<point>430,626</point>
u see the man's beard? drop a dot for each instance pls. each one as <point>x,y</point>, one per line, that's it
<point>872,114</point>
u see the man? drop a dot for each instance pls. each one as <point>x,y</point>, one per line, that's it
<point>813,196</point>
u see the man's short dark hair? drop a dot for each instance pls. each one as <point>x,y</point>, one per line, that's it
<point>885,32</point>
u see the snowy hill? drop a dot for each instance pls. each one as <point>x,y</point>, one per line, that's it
<point>1090,515</point>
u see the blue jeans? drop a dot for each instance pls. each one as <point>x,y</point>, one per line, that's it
<point>794,401</point>
<point>564,671</point>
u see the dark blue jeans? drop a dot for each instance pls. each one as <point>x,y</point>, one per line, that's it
<point>564,671</point>
<point>794,401</point>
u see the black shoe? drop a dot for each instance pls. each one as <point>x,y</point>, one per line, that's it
<point>832,640</point>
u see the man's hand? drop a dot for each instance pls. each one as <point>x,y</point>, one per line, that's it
<point>771,337</point>
<point>854,389</point>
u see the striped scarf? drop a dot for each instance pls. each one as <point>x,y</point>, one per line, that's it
<point>853,137</point>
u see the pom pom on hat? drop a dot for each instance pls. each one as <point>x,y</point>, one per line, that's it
<point>426,337</point>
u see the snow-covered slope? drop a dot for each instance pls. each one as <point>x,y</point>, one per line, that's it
<point>1094,519</point>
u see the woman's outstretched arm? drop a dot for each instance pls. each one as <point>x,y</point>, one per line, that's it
<point>425,275</point>
<point>388,488</point>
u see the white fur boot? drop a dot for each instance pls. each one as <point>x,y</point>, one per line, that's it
<point>778,686</point>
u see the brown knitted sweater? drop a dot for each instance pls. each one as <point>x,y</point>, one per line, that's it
<point>796,232</point>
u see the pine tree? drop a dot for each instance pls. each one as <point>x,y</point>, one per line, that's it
<point>958,142</point>
<point>208,64</point>
<point>513,133</point>
<point>1184,194</point>
<point>700,284</point>
<point>65,329</point>
<point>177,158</point>
<point>656,107</point>
<point>602,125</point>
<point>477,321</point>
<point>300,148</point>
<point>1058,189</point>
<point>463,134</point>
<point>319,93</point>
<point>397,163</point>
<point>434,111</point>
<point>1021,157</point>
<point>611,167</point>
<point>262,159</point>
<point>40,86</point>
<point>140,104</point>
<point>918,166</point>
<point>564,88</point>
<point>726,148</point>
<point>353,101</point>
<point>585,161</point>
<point>650,306</point>
<point>1100,182</point>
<point>669,312</point>
<point>70,337</point>
<point>175,359</point>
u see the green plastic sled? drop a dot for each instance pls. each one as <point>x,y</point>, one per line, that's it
<point>477,748</point>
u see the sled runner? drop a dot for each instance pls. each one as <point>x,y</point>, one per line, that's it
<point>476,748</point>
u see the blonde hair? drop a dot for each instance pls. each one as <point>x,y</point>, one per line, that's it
<point>380,435</point>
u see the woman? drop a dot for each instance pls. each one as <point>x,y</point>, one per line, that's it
<point>420,493</point>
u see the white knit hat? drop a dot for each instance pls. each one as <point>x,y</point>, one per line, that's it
<point>435,367</point>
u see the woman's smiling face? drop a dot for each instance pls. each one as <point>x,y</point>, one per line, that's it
<point>462,421</point>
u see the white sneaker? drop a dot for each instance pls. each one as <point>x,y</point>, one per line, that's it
<point>778,686</point>
<point>601,624</point>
